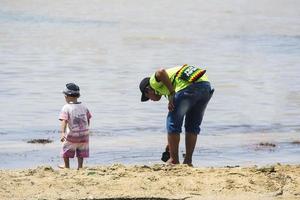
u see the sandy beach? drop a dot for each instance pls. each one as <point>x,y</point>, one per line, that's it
<point>152,182</point>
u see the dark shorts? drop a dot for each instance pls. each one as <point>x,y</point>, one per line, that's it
<point>190,103</point>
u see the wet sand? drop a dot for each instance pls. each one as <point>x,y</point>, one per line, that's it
<point>152,182</point>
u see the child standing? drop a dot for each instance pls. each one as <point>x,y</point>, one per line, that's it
<point>75,121</point>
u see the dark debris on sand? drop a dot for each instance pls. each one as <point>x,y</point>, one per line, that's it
<point>296,142</point>
<point>39,141</point>
<point>267,144</point>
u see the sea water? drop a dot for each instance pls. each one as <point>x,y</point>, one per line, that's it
<point>250,50</point>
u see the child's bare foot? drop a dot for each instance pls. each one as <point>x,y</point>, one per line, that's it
<point>62,167</point>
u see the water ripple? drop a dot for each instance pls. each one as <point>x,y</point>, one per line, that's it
<point>27,18</point>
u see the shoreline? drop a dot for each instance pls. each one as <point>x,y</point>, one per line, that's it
<point>152,182</point>
<point>243,149</point>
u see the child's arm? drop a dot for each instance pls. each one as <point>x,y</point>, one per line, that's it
<point>63,128</point>
<point>89,116</point>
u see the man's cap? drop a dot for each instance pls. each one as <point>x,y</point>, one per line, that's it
<point>71,89</point>
<point>143,85</point>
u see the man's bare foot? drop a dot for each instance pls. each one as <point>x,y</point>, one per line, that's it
<point>189,163</point>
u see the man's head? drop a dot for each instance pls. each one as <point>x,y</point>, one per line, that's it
<point>144,85</point>
<point>147,91</point>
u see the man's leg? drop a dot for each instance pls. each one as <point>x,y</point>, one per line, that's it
<point>173,141</point>
<point>175,118</point>
<point>190,143</point>
<point>193,120</point>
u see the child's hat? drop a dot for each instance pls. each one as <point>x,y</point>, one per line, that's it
<point>71,89</point>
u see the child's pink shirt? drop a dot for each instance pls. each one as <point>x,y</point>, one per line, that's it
<point>77,115</point>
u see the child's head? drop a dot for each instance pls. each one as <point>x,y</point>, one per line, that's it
<point>71,91</point>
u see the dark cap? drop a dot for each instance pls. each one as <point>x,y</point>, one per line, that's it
<point>71,89</point>
<point>143,85</point>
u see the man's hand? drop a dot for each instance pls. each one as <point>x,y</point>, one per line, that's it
<point>171,101</point>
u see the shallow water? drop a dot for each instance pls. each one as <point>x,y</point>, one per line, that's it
<point>250,50</point>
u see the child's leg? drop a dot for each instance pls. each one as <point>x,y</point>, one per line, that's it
<point>67,162</point>
<point>80,162</point>
<point>68,152</point>
<point>82,151</point>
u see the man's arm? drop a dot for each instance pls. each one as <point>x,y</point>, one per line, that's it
<point>161,75</point>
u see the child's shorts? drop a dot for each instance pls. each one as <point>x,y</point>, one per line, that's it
<point>81,149</point>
